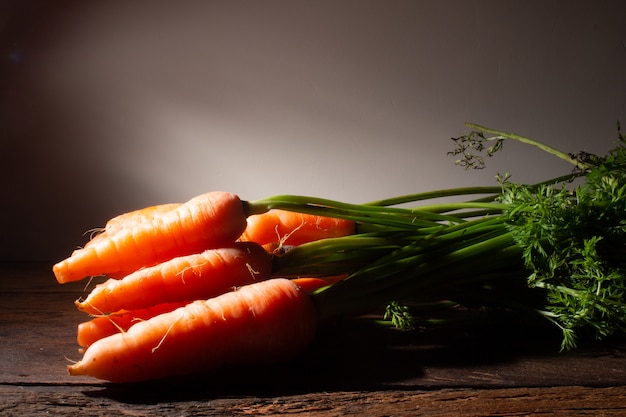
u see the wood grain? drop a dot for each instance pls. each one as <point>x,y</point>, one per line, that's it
<point>545,402</point>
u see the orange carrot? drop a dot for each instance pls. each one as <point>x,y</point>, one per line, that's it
<point>185,278</point>
<point>260,323</point>
<point>207,221</point>
<point>291,228</point>
<point>121,321</point>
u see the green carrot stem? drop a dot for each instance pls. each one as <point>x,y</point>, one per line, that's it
<point>406,276</point>
<point>389,216</point>
<point>427,216</point>
<point>503,135</point>
<point>336,256</point>
<point>430,195</point>
<point>450,207</point>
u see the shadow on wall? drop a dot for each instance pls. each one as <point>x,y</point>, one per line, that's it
<point>54,186</point>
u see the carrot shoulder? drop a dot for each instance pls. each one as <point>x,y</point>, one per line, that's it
<point>209,220</point>
<point>184,278</point>
<point>259,323</point>
<point>293,228</point>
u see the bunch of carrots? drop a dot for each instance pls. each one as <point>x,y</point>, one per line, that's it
<point>219,281</point>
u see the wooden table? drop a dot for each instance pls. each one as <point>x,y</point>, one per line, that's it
<point>352,369</point>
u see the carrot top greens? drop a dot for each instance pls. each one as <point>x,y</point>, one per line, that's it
<point>552,249</point>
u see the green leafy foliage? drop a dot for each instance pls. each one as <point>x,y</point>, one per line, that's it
<point>399,316</point>
<point>574,242</point>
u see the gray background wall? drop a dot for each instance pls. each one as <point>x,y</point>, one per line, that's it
<point>108,106</point>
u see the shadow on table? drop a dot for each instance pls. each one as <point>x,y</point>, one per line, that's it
<point>353,355</point>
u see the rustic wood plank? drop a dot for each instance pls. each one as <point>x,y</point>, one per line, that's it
<point>545,402</point>
<point>37,324</point>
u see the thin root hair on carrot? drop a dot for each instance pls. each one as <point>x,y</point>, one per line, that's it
<point>93,232</point>
<point>117,326</point>
<point>281,240</point>
<point>154,349</point>
<point>99,313</point>
<point>108,316</point>
<point>88,283</point>
<point>253,273</point>
<point>197,267</point>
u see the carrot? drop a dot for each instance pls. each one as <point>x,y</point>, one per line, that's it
<point>121,321</point>
<point>260,323</point>
<point>292,228</point>
<point>209,220</point>
<point>185,278</point>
